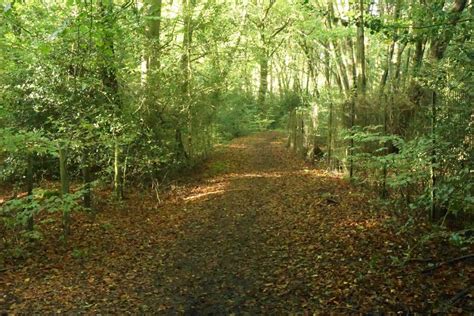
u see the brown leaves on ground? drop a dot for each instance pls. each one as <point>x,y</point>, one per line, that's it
<point>256,232</point>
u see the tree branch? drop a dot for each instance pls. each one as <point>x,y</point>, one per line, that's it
<point>281,28</point>
<point>451,261</point>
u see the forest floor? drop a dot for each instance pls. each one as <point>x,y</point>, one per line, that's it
<point>254,231</point>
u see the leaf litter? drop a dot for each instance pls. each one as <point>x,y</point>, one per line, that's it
<point>254,231</point>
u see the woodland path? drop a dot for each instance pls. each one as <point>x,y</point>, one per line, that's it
<point>240,248</point>
<point>265,233</point>
<point>256,231</point>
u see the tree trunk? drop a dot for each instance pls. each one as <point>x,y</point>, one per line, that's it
<point>29,188</point>
<point>262,90</point>
<point>384,100</point>
<point>153,31</point>
<point>64,179</point>
<point>361,84</point>
<point>109,79</point>
<point>86,177</point>
<point>361,68</point>
<point>118,189</point>
<point>342,69</point>
<point>327,74</point>
<point>351,144</point>
<point>439,44</point>
<point>434,209</point>
<point>187,40</point>
<point>394,73</point>
<point>188,6</point>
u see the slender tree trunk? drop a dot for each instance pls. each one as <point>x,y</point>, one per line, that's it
<point>397,66</point>
<point>361,65</point>
<point>388,71</point>
<point>433,178</point>
<point>86,177</point>
<point>124,169</point>
<point>361,86</point>
<point>384,100</point>
<point>300,134</point>
<point>187,7</point>
<point>64,179</point>
<point>351,144</point>
<point>406,69</point>
<point>327,74</point>
<point>342,69</point>
<point>330,134</point>
<point>109,79</point>
<point>313,130</point>
<point>118,189</point>
<point>262,91</point>
<point>29,188</point>
<point>151,55</point>
<point>153,32</point>
<point>384,191</point>
<point>187,39</point>
<point>418,57</point>
<point>352,62</point>
<point>270,75</point>
<point>308,77</point>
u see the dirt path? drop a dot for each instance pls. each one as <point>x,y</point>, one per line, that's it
<point>256,232</point>
<point>263,233</point>
<point>233,244</point>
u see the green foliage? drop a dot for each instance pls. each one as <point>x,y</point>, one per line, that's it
<point>372,150</point>
<point>282,106</point>
<point>461,239</point>
<point>80,254</point>
<point>408,167</point>
<point>238,116</point>
<point>17,212</point>
<point>134,99</point>
<point>25,142</point>
<point>217,168</point>
<point>65,203</point>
